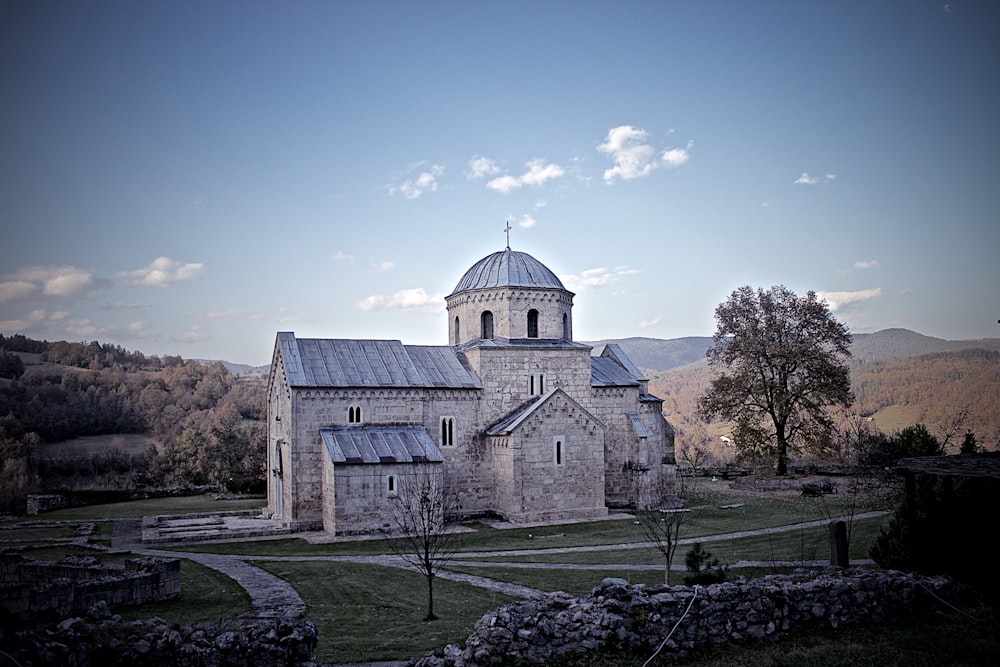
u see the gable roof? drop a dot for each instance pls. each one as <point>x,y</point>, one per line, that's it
<point>510,423</point>
<point>380,444</point>
<point>334,362</point>
<point>607,372</point>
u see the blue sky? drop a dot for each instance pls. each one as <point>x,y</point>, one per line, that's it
<point>192,177</point>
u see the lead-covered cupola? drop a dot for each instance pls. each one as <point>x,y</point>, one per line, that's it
<point>509,295</point>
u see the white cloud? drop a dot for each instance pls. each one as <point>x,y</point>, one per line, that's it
<point>634,158</point>
<point>14,290</point>
<point>807,179</point>
<point>62,282</point>
<point>382,267</point>
<point>537,174</point>
<point>504,184</point>
<point>163,271</point>
<point>414,188</point>
<point>481,167</point>
<point>84,328</point>
<point>675,157</point>
<point>526,222</point>
<point>866,264</point>
<point>839,300</point>
<point>626,148</point>
<point>14,326</point>
<point>408,299</point>
<point>650,323</point>
<point>591,279</point>
<point>341,256</point>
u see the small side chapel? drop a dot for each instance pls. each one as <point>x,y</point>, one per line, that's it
<point>519,419</point>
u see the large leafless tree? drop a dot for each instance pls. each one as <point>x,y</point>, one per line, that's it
<point>779,361</point>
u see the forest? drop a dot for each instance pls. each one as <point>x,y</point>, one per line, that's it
<point>951,394</point>
<point>206,427</point>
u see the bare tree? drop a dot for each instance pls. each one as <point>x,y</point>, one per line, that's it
<point>422,538</point>
<point>662,526</point>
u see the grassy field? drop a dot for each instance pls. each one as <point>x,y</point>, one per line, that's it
<point>370,613</point>
<point>152,506</point>
<point>128,443</point>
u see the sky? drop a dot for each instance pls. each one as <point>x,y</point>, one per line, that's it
<point>191,177</point>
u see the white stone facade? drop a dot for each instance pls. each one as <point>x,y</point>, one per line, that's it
<point>520,420</point>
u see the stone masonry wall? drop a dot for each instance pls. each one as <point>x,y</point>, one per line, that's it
<point>32,589</point>
<point>638,619</point>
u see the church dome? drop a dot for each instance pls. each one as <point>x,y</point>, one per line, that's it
<point>508,268</point>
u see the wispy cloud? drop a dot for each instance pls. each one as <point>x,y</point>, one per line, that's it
<point>866,264</point>
<point>193,334</point>
<point>481,167</point>
<point>233,315</point>
<point>63,282</point>
<point>341,256</point>
<point>807,179</point>
<point>840,300</point>
<point>538,173</point>
<point>408,299</point>
<point>633,157</point>
<point>596,278</point>
<point>162,272</point>
<point>526,222</point>
<point>382,267</point>
<point>650,323</point>
<point>425,181</point>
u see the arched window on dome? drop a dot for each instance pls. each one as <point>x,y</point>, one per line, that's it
<point>458,333</point>
<point>487,325</point>
<point>532,323</point>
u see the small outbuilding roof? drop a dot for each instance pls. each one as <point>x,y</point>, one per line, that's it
<point>380,444</point>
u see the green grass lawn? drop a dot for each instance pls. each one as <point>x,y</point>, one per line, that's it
<point>134,509</point>
<point>367,613</point>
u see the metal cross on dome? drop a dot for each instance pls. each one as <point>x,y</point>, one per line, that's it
<point>507,229</point>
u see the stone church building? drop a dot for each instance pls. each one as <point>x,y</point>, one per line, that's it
<point>520,420</point>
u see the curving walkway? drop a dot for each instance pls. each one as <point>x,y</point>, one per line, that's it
<point>271,596</point>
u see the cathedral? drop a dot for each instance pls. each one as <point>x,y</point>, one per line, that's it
<point>521,421</point>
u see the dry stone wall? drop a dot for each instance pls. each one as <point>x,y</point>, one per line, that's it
<point>639,619</point>
<point>100,638</point>
<point>32,589</point>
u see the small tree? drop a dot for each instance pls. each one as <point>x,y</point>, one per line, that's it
<point>422,537</point>
<point>661,526</point>
<point>779,362</point>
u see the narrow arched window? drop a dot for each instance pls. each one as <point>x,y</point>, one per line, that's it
<point>354,414</point>
<point>565,326</point>
<point>447,431</point>
<point>532,323</point>
<point>558,455</point>
<point>487,325</point>
<point>458,332</point>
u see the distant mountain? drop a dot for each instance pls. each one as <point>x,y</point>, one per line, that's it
<point>658,354</point>
<point>655,354</point>
<point>890,344</point>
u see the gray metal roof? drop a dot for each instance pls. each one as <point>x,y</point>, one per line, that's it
<point>637,425</point>
<point>380,444</point>
<point>333,362</point>
<point>608,372</point>
<point>615,351</point>
<point>508,268</point>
